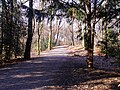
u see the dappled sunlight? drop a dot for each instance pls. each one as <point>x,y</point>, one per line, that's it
<point>21,76</point>
<point>58,72</point>
<point>59,45</point>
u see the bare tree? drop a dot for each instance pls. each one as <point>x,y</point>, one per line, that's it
<point>30,31</point>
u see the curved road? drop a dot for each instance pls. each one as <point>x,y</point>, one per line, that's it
<point>39,72</point>
<point>53,70</point>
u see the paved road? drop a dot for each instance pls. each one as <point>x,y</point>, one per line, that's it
<point>52,69</point>
<point>38,72</point>
<point>57,51</point>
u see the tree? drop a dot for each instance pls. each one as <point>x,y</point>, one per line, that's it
<point>89,34</point>
<point>30,31</point>
<point>40,27</point>
<point>51,12</point>
<point>7,37</point>
<point>109,15</point>
<point>58,31</point>
<point>12,31</point>
<point>50,35</point>
<point>84,6</point>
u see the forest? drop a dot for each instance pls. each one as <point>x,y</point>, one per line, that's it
<point>29,28</point>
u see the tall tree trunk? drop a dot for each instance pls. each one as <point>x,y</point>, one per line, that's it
<point>56,41</point>
<point>50,36</point>
<point>94,23</point>
<point>84,35</point>
<point>30,31</point>
<point>16,33</point>
<point>105,28</point>
<point>9,35</point>
<point>4,26</point>
<point>40,26</point>
<point>89,35</point>
<point>3,14</point>
<point>1,45</point>
<point>102,29</point>
<point>73,16</point>
<point>72,37</point>
<point>57,29</point>
<point>106,40</point>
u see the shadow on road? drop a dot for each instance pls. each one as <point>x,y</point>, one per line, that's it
<point>61,72</point>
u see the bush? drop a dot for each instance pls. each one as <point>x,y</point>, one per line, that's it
<point>113,45</point>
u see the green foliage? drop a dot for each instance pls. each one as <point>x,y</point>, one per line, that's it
<point>113,48</point>
<point>69,12</point>
<point>78,14</point>
<point>44,44</point>
<point>13,30</point>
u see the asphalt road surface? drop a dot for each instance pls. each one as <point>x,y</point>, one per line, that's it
<point>53,70</point>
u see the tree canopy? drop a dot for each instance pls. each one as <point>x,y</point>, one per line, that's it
<point>18,23</point>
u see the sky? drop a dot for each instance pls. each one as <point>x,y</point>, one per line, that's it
<point>36,4</point>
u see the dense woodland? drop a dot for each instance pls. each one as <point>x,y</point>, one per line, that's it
<point>32,26</point>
